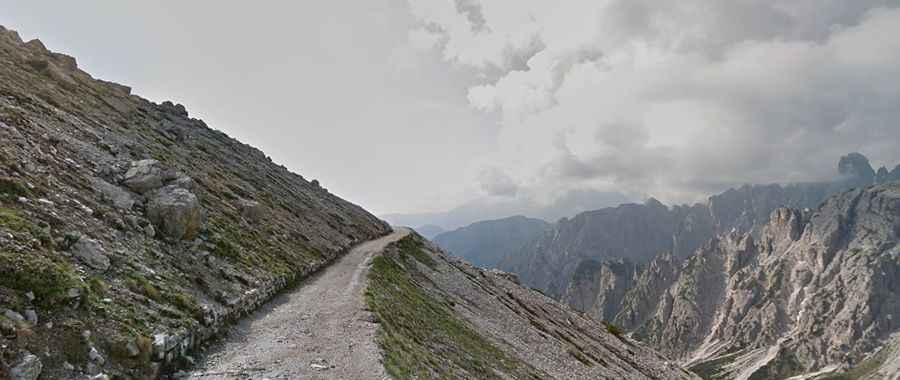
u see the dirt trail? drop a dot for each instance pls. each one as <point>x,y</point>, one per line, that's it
<point>317,331</point>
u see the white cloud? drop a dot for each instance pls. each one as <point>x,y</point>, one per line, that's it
<point>677,99</point>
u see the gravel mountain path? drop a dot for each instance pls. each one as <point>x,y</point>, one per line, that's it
<point>319,330</point>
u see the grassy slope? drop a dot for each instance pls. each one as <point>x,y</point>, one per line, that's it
<point>419,334</point>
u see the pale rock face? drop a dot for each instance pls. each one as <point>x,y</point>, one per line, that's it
<point>117,196</point>
<point>146,175</point>
<point>598,288</point>
<point>175,212</point>
<point>91,253</point>
<point>813,291</point>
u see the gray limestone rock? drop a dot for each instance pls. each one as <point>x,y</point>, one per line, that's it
<point>91,253</point>
<point>175,212</point>
<point>28,367</point>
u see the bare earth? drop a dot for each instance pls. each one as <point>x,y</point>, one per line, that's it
<point>320,330</point>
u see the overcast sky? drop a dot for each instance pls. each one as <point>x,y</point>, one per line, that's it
<point>421,105</point>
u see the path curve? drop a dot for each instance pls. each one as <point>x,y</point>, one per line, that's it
<point>319,330</point>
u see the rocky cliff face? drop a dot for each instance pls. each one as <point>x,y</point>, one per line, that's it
<point>486,243</point>
<point>636,232</point>
<point>130,232</point>
<point>441,317</point>
<point>816,290</point>
<point>639,233</point>
<point>598,288</point>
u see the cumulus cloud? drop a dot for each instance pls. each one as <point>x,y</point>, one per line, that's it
<point>676,99</point>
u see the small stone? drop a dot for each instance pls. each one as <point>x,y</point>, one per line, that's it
<point>29,367</point>
<point>68,366</point>
<point>96,357</point>
<point>73,293</point>
<point>31,316</point>
<point>101,376</point>
<point>132,349</point>
<point>46,202</point>
<point>29,296</point>
<point>7,328</point>
<point>149,231</point>
<point>12,315</point>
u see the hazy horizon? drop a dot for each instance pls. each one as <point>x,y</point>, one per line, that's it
<point>426,105</point>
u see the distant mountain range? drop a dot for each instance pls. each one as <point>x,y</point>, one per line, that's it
<point>570,203</point>
<point>486,243</point>
<point>759,282</point>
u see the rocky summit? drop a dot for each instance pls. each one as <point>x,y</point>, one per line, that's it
<point>816,292</point>
<point>131,233</point>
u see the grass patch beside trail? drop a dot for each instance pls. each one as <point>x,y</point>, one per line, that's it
<point>420,335</point>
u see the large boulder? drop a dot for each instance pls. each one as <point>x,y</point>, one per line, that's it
<point>251,210</point>
<point>91,253</point>
<point>146,175</point>
<point>28,367</point>
<point>175,212</point>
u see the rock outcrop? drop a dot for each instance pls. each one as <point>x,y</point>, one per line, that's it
<point>119,224</point>
<point>816,291</point>
<point>91,253</point>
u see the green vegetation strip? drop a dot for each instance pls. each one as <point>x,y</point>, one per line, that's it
<point>420,335</point>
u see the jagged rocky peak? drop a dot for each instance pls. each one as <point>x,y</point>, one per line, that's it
<point>856,166</point>
<point>884,175</point>
<point>641,299</point>
<point>817,290</point>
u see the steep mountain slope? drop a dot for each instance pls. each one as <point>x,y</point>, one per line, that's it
<point>130,233</point>
<point>636,232</point>
<point>441,317</point>
<point>816,290</point>
<point>485,243</point>
<point>639,233</point>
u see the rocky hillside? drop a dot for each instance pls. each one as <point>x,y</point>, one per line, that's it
<point>441,317</point>
<point>817,292</point>
<point>131,233</point>
<point>640,232</point>
<point>486,243</point>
